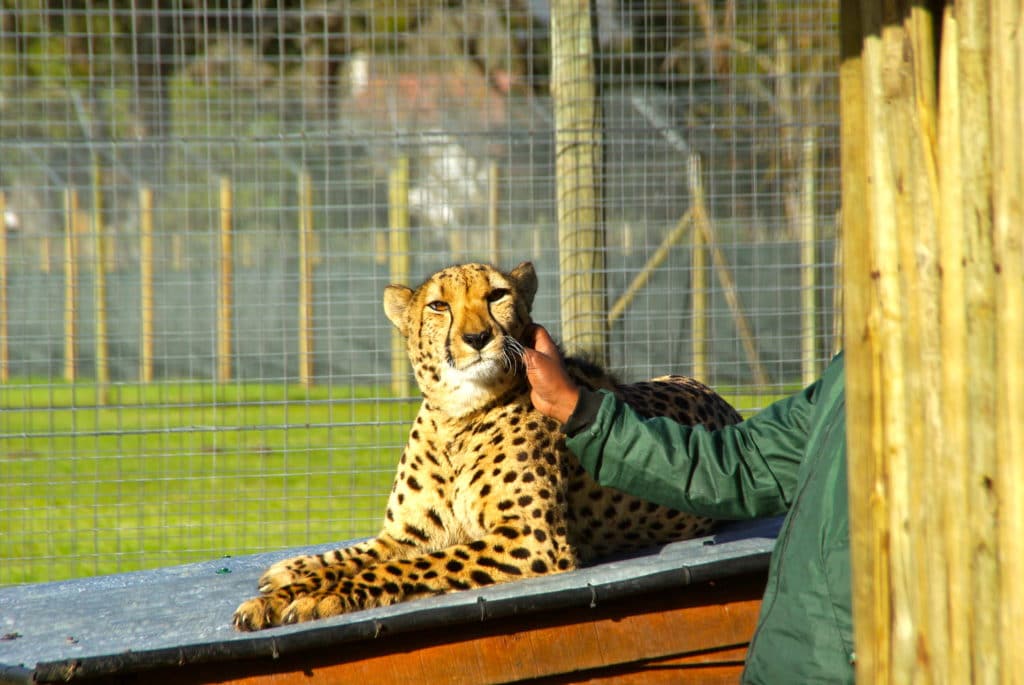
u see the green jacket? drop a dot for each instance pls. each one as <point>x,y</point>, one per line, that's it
<point>790,457</point>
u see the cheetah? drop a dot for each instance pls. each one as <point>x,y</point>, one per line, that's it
<point>486,490</point>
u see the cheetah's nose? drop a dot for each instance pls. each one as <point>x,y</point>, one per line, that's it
<point>477,340</point>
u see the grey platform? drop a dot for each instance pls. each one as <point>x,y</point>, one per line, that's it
<point>133,622</point>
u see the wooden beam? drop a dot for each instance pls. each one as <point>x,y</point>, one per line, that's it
<point>578,180</point>
<point>691,635</point>
<point>934,289</point>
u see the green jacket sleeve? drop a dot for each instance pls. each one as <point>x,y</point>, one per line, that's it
<point>743,471</point>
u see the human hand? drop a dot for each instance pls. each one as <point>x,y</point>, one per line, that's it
<point>552,391</point>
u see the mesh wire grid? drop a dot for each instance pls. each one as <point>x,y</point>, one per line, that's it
<point>197,212</point>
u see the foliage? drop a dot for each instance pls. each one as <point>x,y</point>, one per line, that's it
<point>130,71</point>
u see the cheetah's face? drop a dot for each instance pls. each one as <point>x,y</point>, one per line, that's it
<point>461,327</point>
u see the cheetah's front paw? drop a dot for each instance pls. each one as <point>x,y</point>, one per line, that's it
<point>313,606</point>
<point>274,610</point>
<point>258,613</point>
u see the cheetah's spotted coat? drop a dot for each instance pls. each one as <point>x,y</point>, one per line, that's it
<point>486,491</point>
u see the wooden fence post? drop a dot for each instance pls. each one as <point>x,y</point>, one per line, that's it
<point>178,250</point>
<point>146,284</point>
<point>836,344</point>
<point>398,197</point>
<point>44,254</point>
<point>70,285</point>
<point>808,262</point>
<point>578,181</point>
<point>5,357</point>
<point>305,279</point>
<point>225,290</point>
<point>648,269</point>
<point>933,164</point>
<point>493,215</point>
<point>99,275</point>
<point>699,307</point>
<point>702,224</point>
<point>1007,65</point>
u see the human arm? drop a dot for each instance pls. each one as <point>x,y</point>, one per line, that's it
<point>741,471</point>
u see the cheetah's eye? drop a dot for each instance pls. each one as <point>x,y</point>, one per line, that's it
<point>438,306</point>
<point>497,294</point>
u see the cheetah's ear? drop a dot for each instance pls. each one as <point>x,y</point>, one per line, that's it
<point>396,303</point>
<point>525,278</point>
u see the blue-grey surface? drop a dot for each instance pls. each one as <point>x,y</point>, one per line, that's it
<point>134,621</point>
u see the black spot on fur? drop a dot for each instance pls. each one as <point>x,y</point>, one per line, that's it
<point>416,532</point>
<point>481,578</point>
<point>507,569</point>
<point>456,584</point>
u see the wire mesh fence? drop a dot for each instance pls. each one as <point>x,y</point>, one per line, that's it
<point>199,221</point>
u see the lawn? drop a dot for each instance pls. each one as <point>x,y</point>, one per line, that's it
<point>168,473</point>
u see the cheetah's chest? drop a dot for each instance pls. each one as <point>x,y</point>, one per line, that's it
<point>488,462</point>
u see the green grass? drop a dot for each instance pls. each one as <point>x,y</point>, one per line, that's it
<point>168,473</point>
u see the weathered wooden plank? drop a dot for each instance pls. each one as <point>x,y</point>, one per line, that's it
<point>695,634</point>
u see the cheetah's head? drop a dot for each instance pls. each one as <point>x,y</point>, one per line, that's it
<point>461,328</point>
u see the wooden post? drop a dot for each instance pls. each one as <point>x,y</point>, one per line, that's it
<point>146,284</point>
<point>578,181</point>
<point>99,275</point>
<point>178,250</point>
<point>5,358</point>
<point>398,197</point>
<point>493,220</point>
<point>699,307</point>
<point>247,257</point>
<point>456,243</point>
<point>808,261</point>
<point>836,344</point>
<point>305,279</point>
<point>225,290</point>
<point>702,224</point>
<point>70,285</point>
<point>44,254</point>
<point>932,162</point>
<point>1007,65</point>
<point>955,542</point>
<point>645,273</point>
